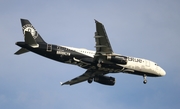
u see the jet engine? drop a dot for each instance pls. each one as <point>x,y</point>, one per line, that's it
<point>118,59</point>
<point>105,80</point>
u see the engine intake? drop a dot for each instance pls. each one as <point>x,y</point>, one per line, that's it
<point>118,59</point>
<point>105,80</point>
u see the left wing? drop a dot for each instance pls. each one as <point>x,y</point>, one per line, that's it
<point>88,74</point>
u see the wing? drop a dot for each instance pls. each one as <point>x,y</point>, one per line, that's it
<point>103,45</point>
<point>88,74</point>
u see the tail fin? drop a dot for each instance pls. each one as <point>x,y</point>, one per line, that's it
<point>31,36</point>
<point>28,27</point>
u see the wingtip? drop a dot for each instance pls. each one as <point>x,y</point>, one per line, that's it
<point>97,21</point>
<point>61,83</point>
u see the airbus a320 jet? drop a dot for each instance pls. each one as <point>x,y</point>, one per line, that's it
<point>98,63</point>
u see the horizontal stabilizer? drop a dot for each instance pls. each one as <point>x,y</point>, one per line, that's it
<point>21,51</point>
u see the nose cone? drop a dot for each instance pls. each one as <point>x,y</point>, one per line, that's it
<point>163,73</point>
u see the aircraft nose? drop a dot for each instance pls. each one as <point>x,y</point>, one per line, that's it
<point>163,73</point>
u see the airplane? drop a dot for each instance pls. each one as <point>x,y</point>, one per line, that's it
<point>98,63</point>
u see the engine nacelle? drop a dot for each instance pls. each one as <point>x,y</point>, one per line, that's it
<point>105,80</point>
<point>118,59</point>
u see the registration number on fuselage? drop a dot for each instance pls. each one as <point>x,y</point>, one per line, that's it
<point>63,53</point>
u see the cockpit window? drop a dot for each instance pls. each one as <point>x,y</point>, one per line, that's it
<point>156,64</point>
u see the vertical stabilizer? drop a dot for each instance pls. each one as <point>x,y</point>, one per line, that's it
<point>27,26</point>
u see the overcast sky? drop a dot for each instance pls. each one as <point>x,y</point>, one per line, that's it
<point>142,28</point>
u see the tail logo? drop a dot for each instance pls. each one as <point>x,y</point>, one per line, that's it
<point>31,29</point>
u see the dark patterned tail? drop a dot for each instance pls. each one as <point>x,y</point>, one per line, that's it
<point>27,26</point>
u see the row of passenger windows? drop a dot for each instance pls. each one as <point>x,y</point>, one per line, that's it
<point>86,52</point>
<point>58,48</point>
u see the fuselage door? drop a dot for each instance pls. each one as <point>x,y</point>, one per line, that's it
<point>49,48</point>
<point>147,63</point>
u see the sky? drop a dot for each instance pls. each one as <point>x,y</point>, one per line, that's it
<point>147,29</point>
